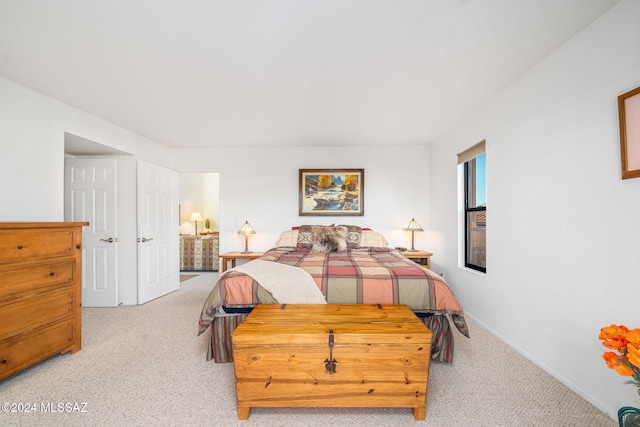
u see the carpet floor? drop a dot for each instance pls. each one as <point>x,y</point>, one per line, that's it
<point>145,366</point>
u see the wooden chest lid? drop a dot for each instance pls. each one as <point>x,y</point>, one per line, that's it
<point>311,323</point>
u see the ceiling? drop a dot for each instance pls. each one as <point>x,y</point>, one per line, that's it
<point>210,73</point>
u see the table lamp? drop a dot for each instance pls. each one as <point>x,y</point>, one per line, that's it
<point>246,229</point>
<point>195,217</point>
<point>413,227</point>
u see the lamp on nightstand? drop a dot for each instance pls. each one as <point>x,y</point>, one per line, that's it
<point>246,229</point>
<point>413,227</point>
<point>195,217</point>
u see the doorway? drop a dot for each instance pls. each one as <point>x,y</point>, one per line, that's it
<point>199,193</point>
<point>145,200</point>
<point>199,221</point>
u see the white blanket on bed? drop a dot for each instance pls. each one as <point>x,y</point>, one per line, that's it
<point>287,284</point>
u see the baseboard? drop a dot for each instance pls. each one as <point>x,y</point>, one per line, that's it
<point>565,381</point>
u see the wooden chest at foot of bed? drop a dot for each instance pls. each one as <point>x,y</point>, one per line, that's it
<point>333,355</point>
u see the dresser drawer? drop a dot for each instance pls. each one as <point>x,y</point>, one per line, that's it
<point>23,351</point>
<point>42,309</point>
<point>29,277</point>
<point>25,245</point>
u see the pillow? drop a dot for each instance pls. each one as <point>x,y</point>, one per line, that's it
<point>328,239</point>
<point>368,238</point>
<point>297,227</point>
<point>304,241</point>
<point>288,238</point>
<point>353,236</point>
<point>372,238</point>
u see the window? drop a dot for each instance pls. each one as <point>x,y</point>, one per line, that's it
<point>475,207</point>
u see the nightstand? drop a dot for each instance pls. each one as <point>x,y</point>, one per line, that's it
<point>233,256</point>
<point>421,257</point>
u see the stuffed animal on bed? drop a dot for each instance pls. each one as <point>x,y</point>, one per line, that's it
<point>328,239</point>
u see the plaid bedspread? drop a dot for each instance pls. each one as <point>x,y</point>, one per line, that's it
<point>358,276</point>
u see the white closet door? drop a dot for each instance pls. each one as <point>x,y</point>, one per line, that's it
<point>90,195</point>
<point>158,229</point>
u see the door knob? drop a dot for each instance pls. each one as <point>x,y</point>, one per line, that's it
<point>109,240</point>
<point>144,239</point>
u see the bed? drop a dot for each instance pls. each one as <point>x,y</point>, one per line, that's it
<point>359,269</point>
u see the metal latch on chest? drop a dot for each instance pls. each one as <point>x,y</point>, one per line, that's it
<point>330,363</point>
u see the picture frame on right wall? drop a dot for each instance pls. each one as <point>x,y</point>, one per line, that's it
<point>629,113</point>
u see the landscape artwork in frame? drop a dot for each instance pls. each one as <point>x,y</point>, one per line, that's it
<point>629,112</point>
<point>331,192</point>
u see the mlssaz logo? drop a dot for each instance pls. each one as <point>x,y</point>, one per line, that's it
<point>63,407</point>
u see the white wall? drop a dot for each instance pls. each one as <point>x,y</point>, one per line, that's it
<point>563,228</point>
<point>199,192</point>
<point>32,128</point>
<point>127,231</point>
<point>190,201</point>
<point>211,198</point>
<point>32,151</point>
<point>262,187</point>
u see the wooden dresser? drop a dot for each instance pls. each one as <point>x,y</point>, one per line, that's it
<point>199,252</point>
<point>40,292</point>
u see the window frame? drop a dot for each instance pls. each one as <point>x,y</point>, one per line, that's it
<point>468,211</point>
<point>469,208</point>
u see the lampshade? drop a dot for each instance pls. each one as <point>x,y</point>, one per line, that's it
<point>414,226</point>
<point>196,217</point>
<point>246,229</point>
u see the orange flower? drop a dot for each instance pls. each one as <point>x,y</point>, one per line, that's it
<point>623,370</point>
<point>633,336</point>
<point>633,354</point>
<point>615,343</point>
<point>616,363</point>
<point>613,336</point>
<point>613,331</point>
<point>610,358</point>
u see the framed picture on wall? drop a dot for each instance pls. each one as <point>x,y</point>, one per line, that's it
<point>331,192</point>
<point>629,112</point>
